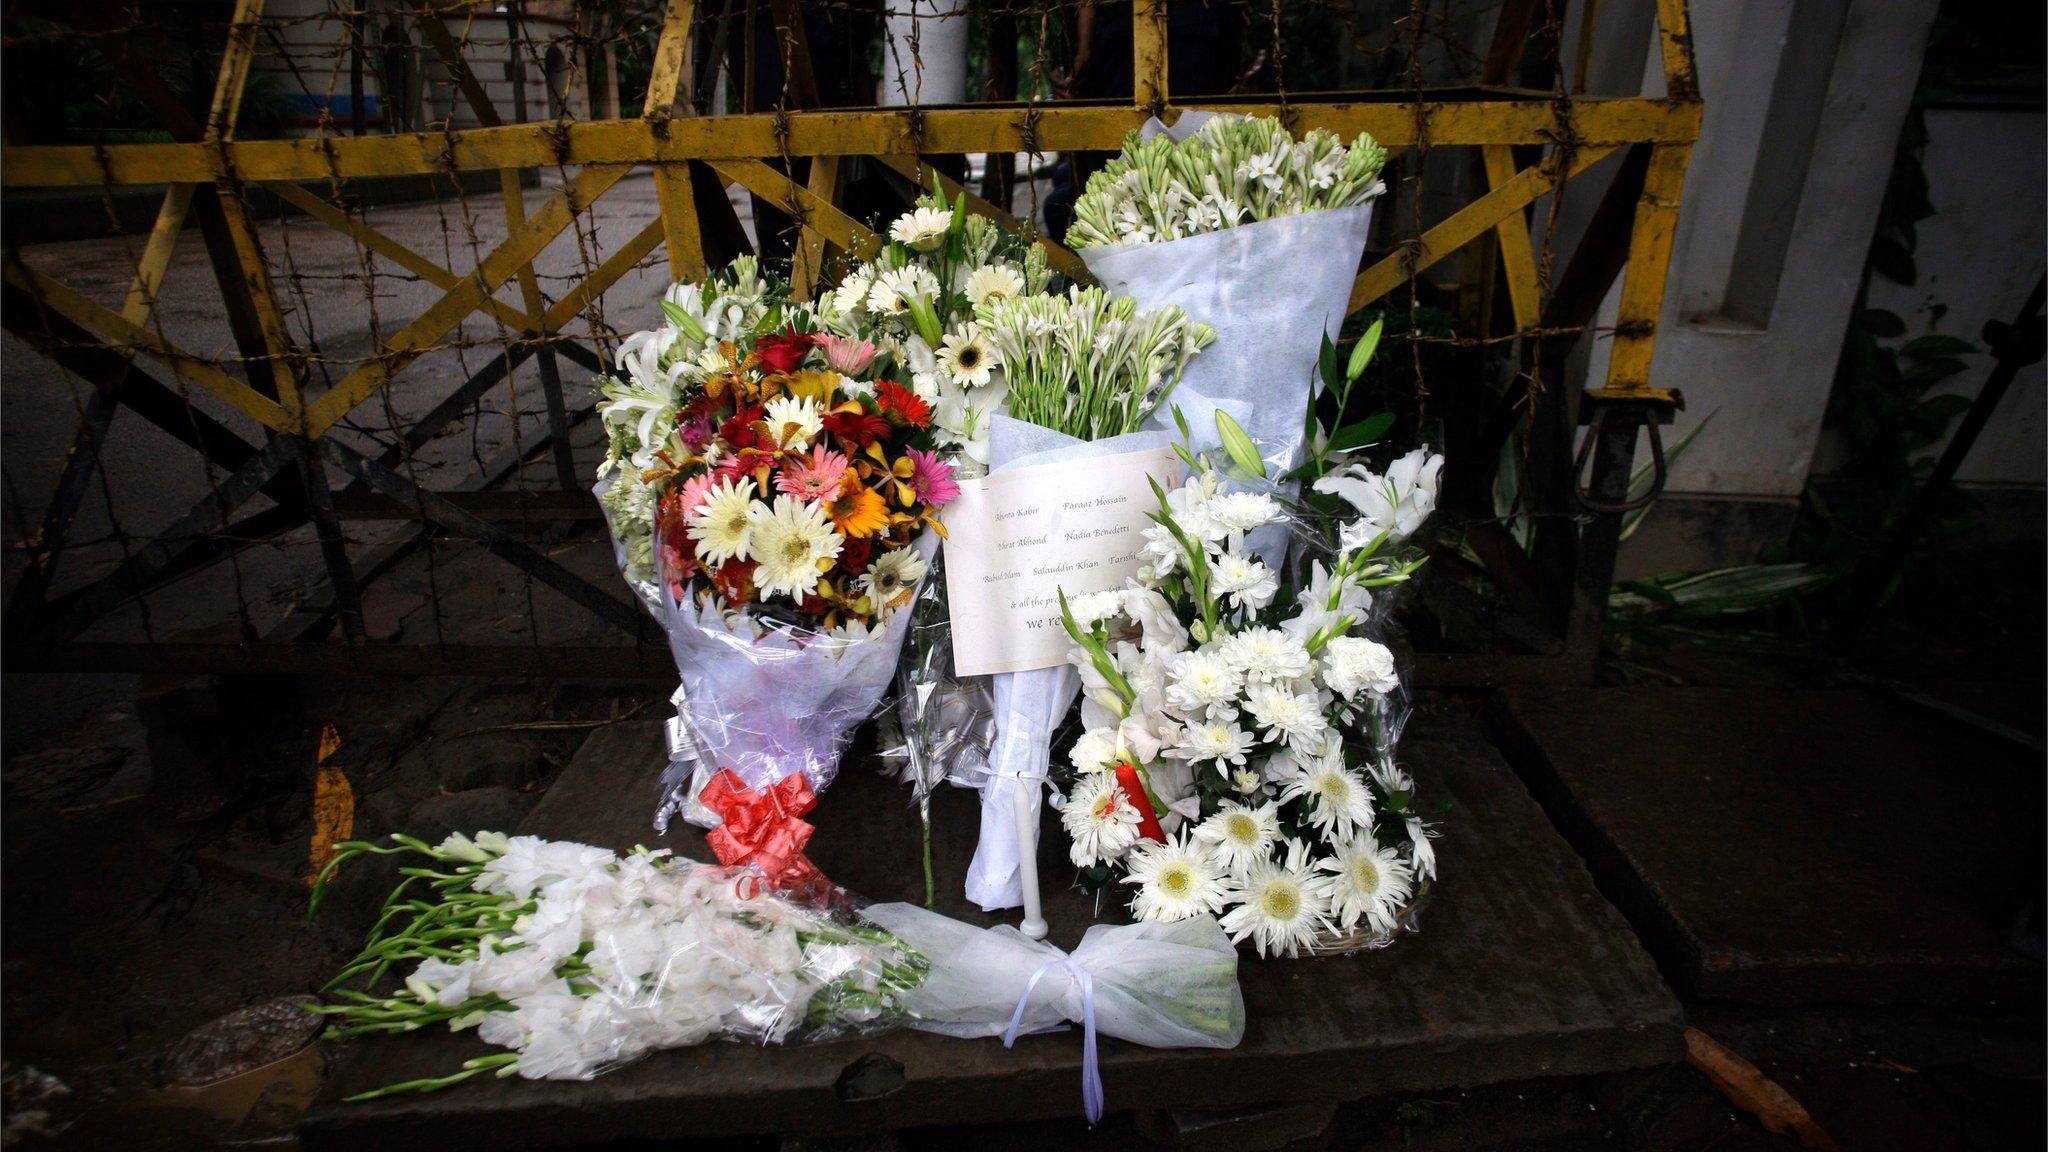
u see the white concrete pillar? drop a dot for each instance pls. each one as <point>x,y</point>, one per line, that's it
<point>924,58</point>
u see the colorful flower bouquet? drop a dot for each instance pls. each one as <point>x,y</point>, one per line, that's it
<point>790,484</point>
<point>578,960</point>
<point>1215,215</point>
<point>1241,722</point>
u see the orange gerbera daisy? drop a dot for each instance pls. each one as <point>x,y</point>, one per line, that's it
<point>858,511</point>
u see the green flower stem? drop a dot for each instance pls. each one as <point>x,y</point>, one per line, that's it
<point>502,1063</point>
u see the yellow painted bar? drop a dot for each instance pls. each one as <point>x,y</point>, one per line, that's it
<point>127,336</point>
<point>672,184</point>
<point>809,266</point>
<point>1649,260</point>
<point>334,217</point>
<point>981,128</point>
<point>795,199</point>
<point>1674,34</point>
<point>1148,54</point>
<point>519,248</point>
<point>1517,258</point>
<point>233,76</point>
<point>1460,227</point>
<point>156,254</point>
<point>621,261</point>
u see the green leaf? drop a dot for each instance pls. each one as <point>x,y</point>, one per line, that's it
<point>1238,443</point>
<point>1361,352</point>
<point>1180,420</point>
<point>1927,372</point>
<point>1326,365</point>
<point>1366,431</point>
<point>1879,322</point>
<point>1892,261</point>
<point>1939,344</point>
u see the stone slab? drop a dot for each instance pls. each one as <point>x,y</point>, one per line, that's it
<point>1521,970</point>
<point>1795,847</point>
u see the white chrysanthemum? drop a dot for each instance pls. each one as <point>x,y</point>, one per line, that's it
<point>891,288</point>
<point>1200,681</point>
<point>1099,819</point>
<point>794,421</point>
<point>1339,803</point>
<point>789,542</point>
<point>1244,511</point>
<point>722,526</point>
<point>891,575</point>
<point>1176,880</point>
<point>1092,608</point>
<point>1292,718</point>
<point>992,282</point>
<point>1267,655</point>
<point>969,357</point>
<point>923,229</point>
<point>1240,835</point>
<point>1249,583</point>
<point>1353,664</point>
<point>1095,751</point>
<point>1366,882</point>
<point>1219,740</point>
<point>1279,904</point>
<point>1245,781</point>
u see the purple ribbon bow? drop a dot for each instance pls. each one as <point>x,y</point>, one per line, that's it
<point>1091,1071</point>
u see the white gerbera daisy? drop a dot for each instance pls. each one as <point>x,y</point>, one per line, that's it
<point>1100,820</point>
<point>1176,880</point>
<point>1295,719</point>
<point>968,356</point>
<point>1200,681</point>
<point>1353,664</point>
<point>790,541</point>
<point>1219,740</point>
<point>1338,801</point>
<point>1240,835</point>
<point>1249,583</point>
<point>891,575</point>
<point>1279,904</point>
<point>1267,655</point>
<point>923,229</point>
<point>892,287</point>
<point>852,294</point>
<point>992,282</point>
<point>794,421</point>
<point>722,526</point>
<point>1366,882</point>
<point>1419,837</point>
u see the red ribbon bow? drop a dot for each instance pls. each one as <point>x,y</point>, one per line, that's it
<point>763,829</point>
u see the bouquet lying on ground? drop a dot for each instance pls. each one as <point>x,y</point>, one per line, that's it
<point>1252,232</point>
<point>577,960</point>
<point>1241,720</point>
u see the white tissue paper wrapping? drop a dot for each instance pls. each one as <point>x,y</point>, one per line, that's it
<point>1272,290</point>
<point>1028,705</point>
<point>1163,985</point>
<point>766,703</point>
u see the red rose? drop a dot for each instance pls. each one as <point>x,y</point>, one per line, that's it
<point>782,353</point>
<point>739,430</point>
<point>854,555</point>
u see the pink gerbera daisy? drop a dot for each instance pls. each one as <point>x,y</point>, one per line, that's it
<point>932,479</point>
<point>812,479</point>
<point>695,491</point>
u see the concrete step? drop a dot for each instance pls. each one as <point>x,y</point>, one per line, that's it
<point>1521,970</point>
<point>1785,847</point>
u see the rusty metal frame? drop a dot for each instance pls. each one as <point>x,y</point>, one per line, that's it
<point>690,154</point>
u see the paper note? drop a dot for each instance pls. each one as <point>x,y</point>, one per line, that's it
<point>1016,539</point>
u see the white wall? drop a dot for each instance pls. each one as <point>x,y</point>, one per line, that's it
<point>1979,255</point>
<point>1803,106</point>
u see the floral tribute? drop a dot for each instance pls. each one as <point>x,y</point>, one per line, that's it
<point>1233,170</point>
<point>1238,759</point>
<point>794,488</point>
